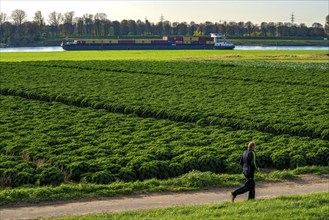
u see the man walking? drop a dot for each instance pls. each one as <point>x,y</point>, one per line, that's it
<point>248,161</point>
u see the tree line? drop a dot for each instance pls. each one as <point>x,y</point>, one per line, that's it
<point>17,30</point>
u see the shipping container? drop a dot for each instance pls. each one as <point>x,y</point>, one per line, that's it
<point>126,42</point>
<point>185,39</point>
<point>113,41</point>
<point>190,38</point>
<point>202,40</point>
<point>172,38</point>
<point>142,41</point>
<point>159,41</point>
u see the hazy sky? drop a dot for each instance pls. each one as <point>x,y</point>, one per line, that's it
<point>304,11</point>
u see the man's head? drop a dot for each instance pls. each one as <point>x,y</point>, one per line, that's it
<point>251,145</point>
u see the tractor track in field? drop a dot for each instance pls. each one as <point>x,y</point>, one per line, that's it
<point>303,184</point>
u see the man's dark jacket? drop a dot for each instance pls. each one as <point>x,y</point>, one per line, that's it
<point>248,163</point>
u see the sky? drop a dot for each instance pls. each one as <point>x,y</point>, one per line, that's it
<point>257,11</point>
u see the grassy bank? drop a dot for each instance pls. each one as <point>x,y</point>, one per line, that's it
<point>279,42</point>
<point>194,180</point>
<point>238,55</point>
<point>312,206</point>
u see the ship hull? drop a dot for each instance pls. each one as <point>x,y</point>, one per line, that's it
<point>145,47</point>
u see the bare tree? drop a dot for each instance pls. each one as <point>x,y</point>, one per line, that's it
<point>55,20</point>
<point>68,22</point>
<point>68,17</point>
<point>3,18</point>
<point>19,16</point>
<point>99,23</point>
<point>38,18</point>
<point>326,25</point>
<point>88,23</point>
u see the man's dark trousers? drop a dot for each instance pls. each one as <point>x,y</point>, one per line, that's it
<point>248,186</point>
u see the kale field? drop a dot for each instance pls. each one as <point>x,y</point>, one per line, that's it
<point>103,121</point>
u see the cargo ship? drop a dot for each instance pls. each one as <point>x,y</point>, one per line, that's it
<point>166,43</point>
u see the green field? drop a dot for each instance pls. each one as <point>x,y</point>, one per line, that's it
<point>122,116</point>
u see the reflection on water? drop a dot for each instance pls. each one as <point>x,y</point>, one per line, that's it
<point>58,48</point>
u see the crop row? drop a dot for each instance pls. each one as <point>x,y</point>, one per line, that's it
<point>258,72</point>
<point>240,97</point>
<point>48,143</point>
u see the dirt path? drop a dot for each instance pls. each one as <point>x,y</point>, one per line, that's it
<point>304,184</point>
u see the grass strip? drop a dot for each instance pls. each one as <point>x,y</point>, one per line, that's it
<point>251,55</point>
<point>194,180</point>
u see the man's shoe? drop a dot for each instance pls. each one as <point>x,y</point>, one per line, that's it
<point>232,197</point>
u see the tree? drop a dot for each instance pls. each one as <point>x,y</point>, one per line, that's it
<point>38,18</point>
<point>88,23</point>
<point>182,28</point>
<point>140,27</point>
<point>3,18</point>
<point>99,23</point>
<point>317,29</point>
<point>79,26</point>
<point>116,28</point>
<point>54,21</point>
<point>192,27</point>
<point>271,28</point>
<point>18,16</point>
<point>241,28</point>
<point>124,27</point>
<point>132,27</point>
<point>264,28</point>
<point>4,28</point>
<point>302,30</point>
<point>38,25</point>
<point>250,27</point>
<point>148,28</point>
<point>326,25</point>
<point>68,23</point>
<point>167,28</point>
<point>231,28</point>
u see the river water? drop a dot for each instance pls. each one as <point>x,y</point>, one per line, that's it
<point>58,48</point>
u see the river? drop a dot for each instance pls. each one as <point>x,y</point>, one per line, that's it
<point>56,49</point>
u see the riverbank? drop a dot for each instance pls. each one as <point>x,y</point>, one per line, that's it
<point>237,48</point>
<point>280,42</point>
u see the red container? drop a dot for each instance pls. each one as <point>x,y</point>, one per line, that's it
<point>202,40</point>
<point>172,38</point>
<point>159,42</point>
